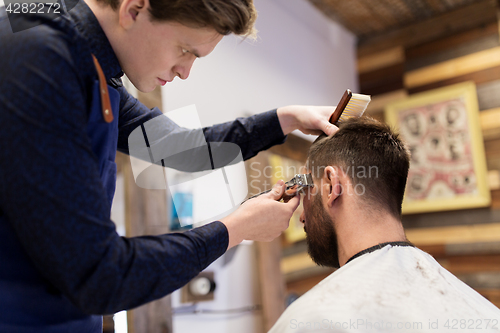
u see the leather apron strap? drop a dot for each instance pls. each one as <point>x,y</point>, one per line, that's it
<point>107,113</point>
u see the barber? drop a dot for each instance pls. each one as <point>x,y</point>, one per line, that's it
<point>62,264</point>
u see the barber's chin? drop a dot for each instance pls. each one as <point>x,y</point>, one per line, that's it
<point>146,87</point>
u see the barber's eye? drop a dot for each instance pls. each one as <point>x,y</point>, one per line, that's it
<point>184,51</point>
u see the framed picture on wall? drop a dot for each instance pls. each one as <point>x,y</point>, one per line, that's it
<point>448,164</point>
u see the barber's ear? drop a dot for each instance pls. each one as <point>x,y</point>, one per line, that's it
<point>333,187</point>
<point>129,10</point>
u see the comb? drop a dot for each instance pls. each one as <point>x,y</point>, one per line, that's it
<point>350,106</point>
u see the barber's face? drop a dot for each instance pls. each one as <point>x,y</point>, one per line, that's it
<point>154,53</point>
<point>320,232</point>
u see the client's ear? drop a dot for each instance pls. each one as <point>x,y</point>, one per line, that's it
<point>332,186</point>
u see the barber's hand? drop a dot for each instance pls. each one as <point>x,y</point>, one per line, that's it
<point>262,218</point>
<point>307,119</point>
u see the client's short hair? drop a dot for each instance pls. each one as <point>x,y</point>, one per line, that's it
<point>372,155</point>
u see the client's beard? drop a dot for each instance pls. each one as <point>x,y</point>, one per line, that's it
<point>321,236</point>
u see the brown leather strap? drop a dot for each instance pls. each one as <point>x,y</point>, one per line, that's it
<point>107,113</point>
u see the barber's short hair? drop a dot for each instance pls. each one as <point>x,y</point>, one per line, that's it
<point>225,16</point>
<point>370,154</point>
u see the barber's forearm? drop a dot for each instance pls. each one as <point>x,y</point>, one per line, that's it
<point>252,134</point>
<point>288,121</point>
<point>235,235</point>
<point>138,270</point>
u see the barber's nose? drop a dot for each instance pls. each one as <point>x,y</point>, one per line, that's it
<point>183,70</point>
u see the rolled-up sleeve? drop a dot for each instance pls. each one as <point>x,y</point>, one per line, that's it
<point>252,134</point>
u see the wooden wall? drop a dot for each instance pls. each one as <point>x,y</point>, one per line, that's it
<point>145,214</point>
<point>418,58</point>
<point>428,56</point>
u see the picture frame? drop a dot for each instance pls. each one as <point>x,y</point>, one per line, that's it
<point>448,165</point>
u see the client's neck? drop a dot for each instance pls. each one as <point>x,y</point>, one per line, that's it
<point>358,230</point>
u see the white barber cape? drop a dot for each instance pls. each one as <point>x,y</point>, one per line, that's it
<point>393,289</point>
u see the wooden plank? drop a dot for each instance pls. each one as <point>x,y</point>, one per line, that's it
<point>308,272</point>
<point>462,19</point>
<point>456,234</point>
<point>471,263</point>
<point>494,179</point>
<point>488,95</point>
<point>271,280</point>
<point>478,39</point>
<point>489,119</point>
<point>296,262</point>
<point>451,218</point>
<point>294,248</point>
<point>492,151</point>
<point>472,248</point>
<point>382,59</point>
<point>462,249</point>
<point>492,295</point>
<point>445,70</point>
<point>482,44</point>
<point>391,84</point>
<point>495,199</point>
<point>297,265</point>
<point>435,250</point>
<point>146,214</point>
<point>379,102</point>
<point>366,19</point>
<point>450,42</point>
<point>482,76</point>
<point>493,163</point>
<point>108,324</point>
<point>301,262</point>
<point>483,280</point>
<point>302,286</point>
<point>490,123</point>
<point>382,80</point>
<point>437,5</point>
<point>492,146</point>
